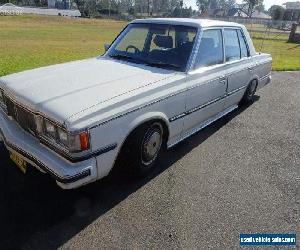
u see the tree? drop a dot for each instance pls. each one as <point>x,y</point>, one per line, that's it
<point>215,4</point>
<point>80,6</point>
<point>203,5</point>
<point>260,7</point>
<point>276,12</point>
<point>182,12</point>
<point>127,6</point>
<point>227,4</point>
<point>251,4</point>
<point>160,6</point>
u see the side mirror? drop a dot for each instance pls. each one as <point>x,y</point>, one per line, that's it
<point>106,47</point>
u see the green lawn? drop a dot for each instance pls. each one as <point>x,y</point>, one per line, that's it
<point>30,41</point>
<point>286,56</point>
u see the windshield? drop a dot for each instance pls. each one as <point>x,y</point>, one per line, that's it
<point>157,45</point>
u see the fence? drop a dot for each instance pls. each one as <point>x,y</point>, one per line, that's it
<point>260,23</point>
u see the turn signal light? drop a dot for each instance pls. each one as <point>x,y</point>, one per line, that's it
<point>84,140</point>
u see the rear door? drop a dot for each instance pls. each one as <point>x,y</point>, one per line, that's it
<point>238,65</point>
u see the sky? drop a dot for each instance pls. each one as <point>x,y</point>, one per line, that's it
<point>268,3</point>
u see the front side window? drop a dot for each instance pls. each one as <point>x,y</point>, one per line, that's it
<point>211,49</point>
<point>232,46</point>
<point>157,45</point>
<point>134,40</point>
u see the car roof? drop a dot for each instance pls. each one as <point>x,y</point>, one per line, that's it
<point>198,23</point>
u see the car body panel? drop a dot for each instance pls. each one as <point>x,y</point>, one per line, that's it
<point>78,81</point>
<point>111,98</point>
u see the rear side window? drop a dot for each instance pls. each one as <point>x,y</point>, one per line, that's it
<point>232,46</point>
<point>243,44</point>
<point>211,49</point>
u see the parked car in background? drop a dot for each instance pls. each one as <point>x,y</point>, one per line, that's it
<point>159,82</point>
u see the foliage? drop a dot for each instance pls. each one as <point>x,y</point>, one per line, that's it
<point>182,12</point>
<point>203,5</point>
<point>227,4</point>
<point>276,12</point>
<point>260,7</point>
<point>251,4</point>
<point>215,4</point>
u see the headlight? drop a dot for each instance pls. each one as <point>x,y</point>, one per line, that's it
<point>71,142</point>
<point>62,136</point>
<point>50,129</point>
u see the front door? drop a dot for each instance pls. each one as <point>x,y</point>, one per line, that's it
<point>207,83</point>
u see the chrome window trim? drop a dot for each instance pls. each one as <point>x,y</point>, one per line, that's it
<point>195,50</point>
<point>246,41</point>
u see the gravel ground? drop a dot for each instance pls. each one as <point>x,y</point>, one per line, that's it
<point>239,175</point>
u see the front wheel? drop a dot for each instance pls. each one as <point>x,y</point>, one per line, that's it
<point>248,97</point>
<point>142,149</point>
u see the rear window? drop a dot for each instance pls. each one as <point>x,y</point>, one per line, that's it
<point>232,46</point>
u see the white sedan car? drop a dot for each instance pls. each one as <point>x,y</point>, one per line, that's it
<point>159,82</point>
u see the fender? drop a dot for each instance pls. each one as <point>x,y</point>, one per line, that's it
<point>138,121</point>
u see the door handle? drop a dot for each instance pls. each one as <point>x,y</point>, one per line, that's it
<point>223,80</point>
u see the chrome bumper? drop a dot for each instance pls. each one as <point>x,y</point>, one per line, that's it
<point>68,175</point>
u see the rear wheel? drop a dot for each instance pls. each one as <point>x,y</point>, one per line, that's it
<point>142,149</point>
<point>249,94</point>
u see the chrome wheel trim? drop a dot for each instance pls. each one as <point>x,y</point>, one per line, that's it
<point>151,144</point>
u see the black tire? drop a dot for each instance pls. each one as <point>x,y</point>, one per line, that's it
<point>142,149</point>
<point>248,97</point>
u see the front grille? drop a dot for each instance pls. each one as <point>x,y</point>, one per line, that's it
<point>21,115</point>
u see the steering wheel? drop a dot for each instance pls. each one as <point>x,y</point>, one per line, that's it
<point>136,50</point>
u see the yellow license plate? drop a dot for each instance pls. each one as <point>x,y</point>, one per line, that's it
<point>21,164</point>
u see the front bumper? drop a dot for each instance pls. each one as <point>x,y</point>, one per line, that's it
<point>68,175</point>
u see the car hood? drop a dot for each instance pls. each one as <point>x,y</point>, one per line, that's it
<point>63,90</point>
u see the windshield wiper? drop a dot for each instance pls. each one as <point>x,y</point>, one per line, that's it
<point>163,65</point>
<point>120,56</point>
<point>151,64</point>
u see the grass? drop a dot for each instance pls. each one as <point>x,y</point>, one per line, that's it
<point>286,56</point>
<point>31,41</point>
